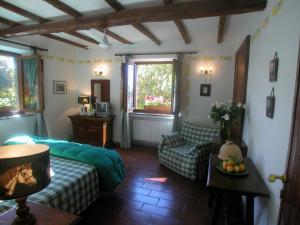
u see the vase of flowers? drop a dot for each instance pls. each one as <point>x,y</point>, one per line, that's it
<point>226,114</point>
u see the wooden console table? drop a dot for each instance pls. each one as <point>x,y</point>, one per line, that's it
<point>93,130</point>
<point>250,186</point>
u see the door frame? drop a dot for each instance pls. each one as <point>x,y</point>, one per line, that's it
<point>245,44</point>
<point>293,129</point>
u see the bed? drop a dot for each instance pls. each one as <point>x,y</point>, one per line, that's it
<point>80,174</point>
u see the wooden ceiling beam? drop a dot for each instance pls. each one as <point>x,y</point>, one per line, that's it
<point>37,18</point>
<point>83,37</point>
<point>54,37</point>
<point>9,22</point>
<point>117,6</point>
<point>74,13</point>
<point>183,31</point>
<point>22,12</point>
<point>180,26</point>
<point>221,29</point>
<point>12,23</point>
<point>64,8</point>
<point>141,28</point>
<point>114,36</point>
<point>184,10</point>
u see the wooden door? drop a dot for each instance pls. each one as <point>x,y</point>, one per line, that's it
<point>240,82</point>
<point>290,195</point>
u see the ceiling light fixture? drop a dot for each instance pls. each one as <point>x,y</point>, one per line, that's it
<point>104,42</point>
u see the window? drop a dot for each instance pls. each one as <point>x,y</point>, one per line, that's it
<point>8,83</point>
<point>150,87</point>
<point>21,87</point>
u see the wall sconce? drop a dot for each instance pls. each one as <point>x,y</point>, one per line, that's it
<point>99,71</point>
<point>206,69</point>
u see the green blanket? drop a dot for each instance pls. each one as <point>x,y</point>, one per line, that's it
<point>110,167</point>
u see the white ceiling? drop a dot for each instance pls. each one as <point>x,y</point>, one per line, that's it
<point>164,31</point>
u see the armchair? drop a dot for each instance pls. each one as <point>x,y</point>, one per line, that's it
<point>187,152</point>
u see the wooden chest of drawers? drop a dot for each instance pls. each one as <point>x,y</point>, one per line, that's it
<point>93,130</point>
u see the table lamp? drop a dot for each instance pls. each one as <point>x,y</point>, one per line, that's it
<point>83,100</point>
<point>24,170</point>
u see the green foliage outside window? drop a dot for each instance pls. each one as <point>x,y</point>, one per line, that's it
<point>7,83</point>
<point>154,85</point>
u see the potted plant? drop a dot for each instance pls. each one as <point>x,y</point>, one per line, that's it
<point>157,104</point>
<point>226,114</point>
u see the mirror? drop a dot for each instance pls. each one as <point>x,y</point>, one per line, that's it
<point>100,89</point>
<point>97,92</point>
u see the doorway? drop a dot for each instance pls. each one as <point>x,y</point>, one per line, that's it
<point>290,197</point>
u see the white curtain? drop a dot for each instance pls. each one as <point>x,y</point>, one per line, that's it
<point>125,142</point>
<point>177,93</point>
<point>40,125</point>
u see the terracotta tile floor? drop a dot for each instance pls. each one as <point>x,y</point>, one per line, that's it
<point>150,194</point>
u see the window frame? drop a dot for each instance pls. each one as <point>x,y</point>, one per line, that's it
<point>40,81</point>
<point>171,112</point>
<point>5,111</point>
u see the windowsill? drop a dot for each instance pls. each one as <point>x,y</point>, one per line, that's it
<point>151,115</point>
<point>16,115</point>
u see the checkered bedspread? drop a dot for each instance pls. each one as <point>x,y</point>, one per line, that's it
<point>74,187</point>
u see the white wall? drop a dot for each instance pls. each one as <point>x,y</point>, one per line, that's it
<point>57,106</point>
<point>16,126</point>
<point>268,139</point>
<point>84,74</point>
<point>79,74</point>
<point>197,107</point>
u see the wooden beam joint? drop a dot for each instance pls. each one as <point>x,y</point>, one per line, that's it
<point>221,29</point>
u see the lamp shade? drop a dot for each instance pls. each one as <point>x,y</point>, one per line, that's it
<point>83,100</point>
<point>229,150</point>
<point>24,170</point>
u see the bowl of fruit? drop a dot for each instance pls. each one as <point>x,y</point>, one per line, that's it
<point>232,167</point>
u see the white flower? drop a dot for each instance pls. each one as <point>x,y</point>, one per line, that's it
<point>239,105</point>
<point>218,105</point>
<point>209,116</point>
<point>226,117</point>
<point>244,106</point>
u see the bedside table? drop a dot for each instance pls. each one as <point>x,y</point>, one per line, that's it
<point>93,130</point>
<point>44,215</point>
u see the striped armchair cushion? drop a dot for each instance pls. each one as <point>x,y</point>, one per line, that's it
<point>193,133</point>
<point>180,160</point>
<point>172,140</point>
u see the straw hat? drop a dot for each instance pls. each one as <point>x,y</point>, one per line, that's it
<point>229,150</point>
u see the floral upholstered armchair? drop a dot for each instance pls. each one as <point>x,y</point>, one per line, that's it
<point>187,152</point>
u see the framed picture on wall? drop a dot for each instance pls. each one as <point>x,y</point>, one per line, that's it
<point>274,68</point>
<point>270,106</point>
<point>59,87</point>
<point>205,90</point>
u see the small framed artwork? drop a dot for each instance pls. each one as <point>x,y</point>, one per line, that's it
<point>270,105</point>
<point>274,68</point>
<point>205,90</point>
<point>59,87</point>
